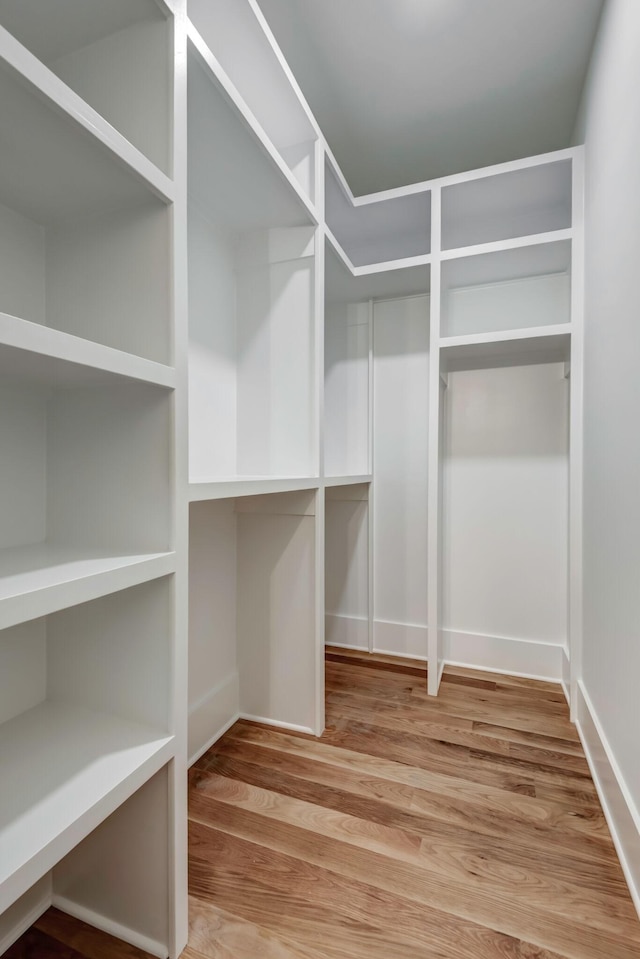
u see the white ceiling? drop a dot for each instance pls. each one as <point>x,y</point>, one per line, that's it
<point>407,90</point>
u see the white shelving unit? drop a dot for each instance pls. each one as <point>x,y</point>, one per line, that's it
<point>92,743</point>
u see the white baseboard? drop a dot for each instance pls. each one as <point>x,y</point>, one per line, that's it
<point>503,654</point>
<point>399,639</point>
<point>111,927</point>
<point>565,682</point>
<point>500,654</point>
<point>621,812</point>
<point>15,920</point>
<point>350,632</point>
<point>212,715</point>
<point>265,721</point>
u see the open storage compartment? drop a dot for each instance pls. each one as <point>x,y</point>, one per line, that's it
<point>84,242</point>
<point>78,732</point>
<point>115,54</point>
<point>347,580</point>
<point>251,320</point>
<point>378,229</point>
<point>86,475</point>
<point>513,289</point>
<point>507,205</point>
<point>235,35</point>
<point>253,644</point>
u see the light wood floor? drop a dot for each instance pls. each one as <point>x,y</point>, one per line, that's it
<point>465,827</point>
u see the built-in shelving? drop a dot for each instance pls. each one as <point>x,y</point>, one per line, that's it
<point>500,204</point>
<point>239,39</point>
<point>107,62</point>
<point>330,481</point>
<point>377,228</point>
<point>65,768</point>
<point>251,302</point>
<point>92,556</point>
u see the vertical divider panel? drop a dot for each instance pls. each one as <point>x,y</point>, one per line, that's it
<point>576,427</point>
<point>434,558</point>
<point>318,434</point>
<point>177,770</point>
<point>370,511</point>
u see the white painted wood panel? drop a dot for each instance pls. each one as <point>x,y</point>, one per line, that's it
<point>505,509</point>
<point>346,398</point>
<point>400,448</point>
<point>346,568</point>
<point>276,618</point>
<point>212,612</point>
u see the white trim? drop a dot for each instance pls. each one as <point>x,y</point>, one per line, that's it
<point>277,724</point>
<point>618,805</point>
<point>340,629</point>
<point>217,710</point>
<point>500,246</point>
<point>111,927</point>
<point>504,654</point>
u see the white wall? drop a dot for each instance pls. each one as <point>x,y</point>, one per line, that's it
<point>346,390</point>
<point>611,644</point>
<point>400,447</point>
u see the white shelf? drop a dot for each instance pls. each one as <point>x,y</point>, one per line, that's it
<point>107,66</point>
<point>345,283</point>
<point>507,204</point>
<point>331,481</point>
<point>64,770</point>
<point>378,230</point>
<point>544,344</point>
<point>30,351</point>
<point>41,579</point>
<point>52,170</point>
<point>240,40</point>
<point>250,486</point>
<point>232,149</point>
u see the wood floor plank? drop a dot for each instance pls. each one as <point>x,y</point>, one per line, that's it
<point>432,814</point>
<point>215,933</point>
<point>348,917</point>
<point>86,940</point>
<point>472,885</point>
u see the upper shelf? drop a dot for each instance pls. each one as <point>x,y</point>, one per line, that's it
<point>235,175</point>
<point>344,285</point>
<point>236,35</point>
<point>545,344</point>
<point>505,205</point>
<point>114,54</point>
<point>53,169</point>
<point>378,230</point>
<point>231,487</point>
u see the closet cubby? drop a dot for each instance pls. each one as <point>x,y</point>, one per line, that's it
<point>253,647</point>
<point>347,584</point>
<point>251,301</point>
<point>78,733</point>
<point>114,54</point>
<point>347,351</point>
<point>84,242</point>
<point>507,204</point>
<point>86,476</point>
<point>529,286</point>
<point>234,33</point>
<point>377,229</point>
